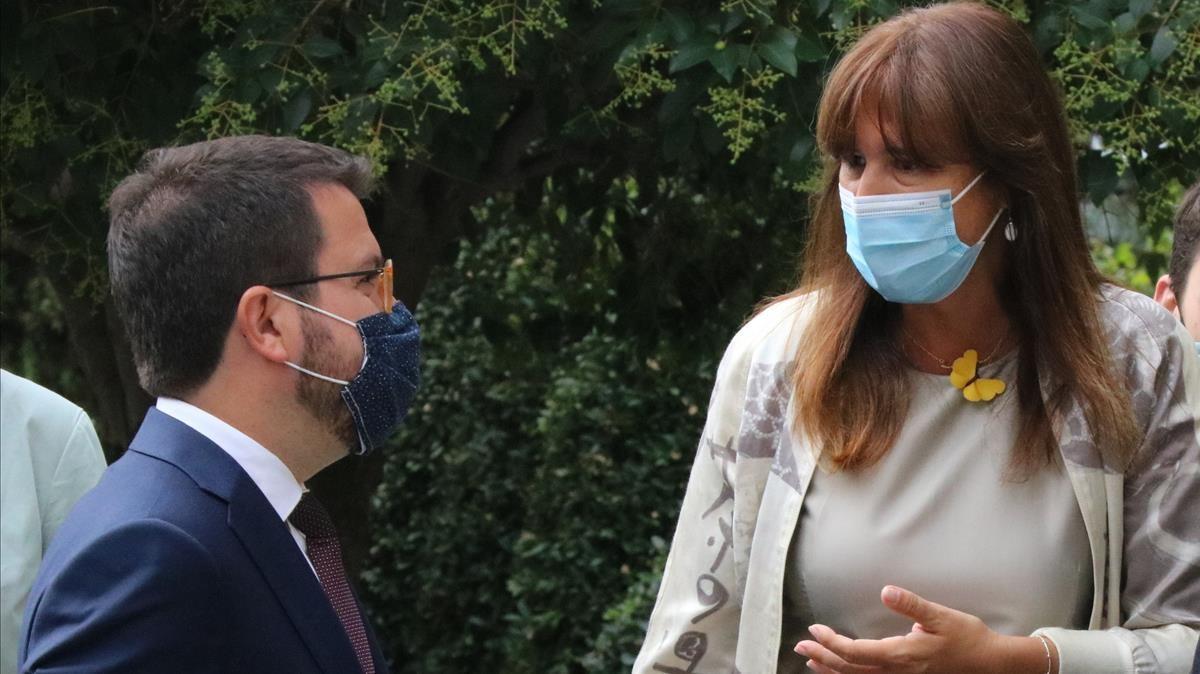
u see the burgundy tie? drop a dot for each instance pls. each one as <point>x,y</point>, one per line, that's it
<point>311,518</point>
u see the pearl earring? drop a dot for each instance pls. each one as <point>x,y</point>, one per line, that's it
<point>1010,230</point>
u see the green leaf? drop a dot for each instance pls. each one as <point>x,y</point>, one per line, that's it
<point>741,54</point>
<point>269,79</point>
<point>884,7</point>
<point>647,33</point>
<point>779,49</point>
<point>1164,43</point>
<point>800,150</point>
<point>1125,23</point>
<point>249,90</point>
<point>1099,176</point>
<point>1138,70</point>
<point>688,92</point>
<point>376,74</point>
<point>732,22</point>
<point>296,110</point>
<point>680,24</point>
<point>319,47</point>
<point>723,62</point>
<point>1048,31</point>
<point>810,49</point>
<point>1087,16</point>
<point>820,6</point>
<point>697,51</point>
<point>1139,8</point>
<point>260,56</point>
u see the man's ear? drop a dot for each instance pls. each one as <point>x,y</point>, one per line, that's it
<point>267,325</point>
<point>1165,296</point>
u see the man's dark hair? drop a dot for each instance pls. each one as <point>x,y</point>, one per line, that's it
<point>195,226</point>
<point>1187,233</point>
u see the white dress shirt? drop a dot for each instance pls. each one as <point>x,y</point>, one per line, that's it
<point>266,470</point>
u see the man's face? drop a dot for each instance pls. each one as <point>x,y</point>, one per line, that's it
<point>330,347</point>
<point>1185,307</point>
<point>1189,304</point>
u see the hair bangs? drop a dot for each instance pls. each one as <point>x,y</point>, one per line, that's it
<point>916,114</point>
<point>843,100</point>
<point>910,98</point>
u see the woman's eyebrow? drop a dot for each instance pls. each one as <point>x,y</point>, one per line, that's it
<point>903,154</point>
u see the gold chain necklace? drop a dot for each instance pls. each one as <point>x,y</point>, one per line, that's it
<point>964,374</point>
<point>947,366</point>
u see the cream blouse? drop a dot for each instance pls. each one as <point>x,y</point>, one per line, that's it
<point>937,516</point>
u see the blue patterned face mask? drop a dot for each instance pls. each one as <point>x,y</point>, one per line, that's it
<point>906,246</point>
<point>382,392</point>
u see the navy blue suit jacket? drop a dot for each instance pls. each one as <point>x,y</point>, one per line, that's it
<point>177,563</point>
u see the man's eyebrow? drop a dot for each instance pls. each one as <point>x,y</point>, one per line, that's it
<point>372,261</point>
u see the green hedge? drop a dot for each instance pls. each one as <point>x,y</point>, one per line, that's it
<point>527,504</point>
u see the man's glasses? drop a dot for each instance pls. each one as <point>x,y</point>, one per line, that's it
<point>380,276</point>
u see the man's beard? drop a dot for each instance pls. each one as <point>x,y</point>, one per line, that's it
<point>321,398</point>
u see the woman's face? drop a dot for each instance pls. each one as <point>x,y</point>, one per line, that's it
<point>871,169</point>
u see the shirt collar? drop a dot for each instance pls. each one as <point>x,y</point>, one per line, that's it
<point>265,469</point>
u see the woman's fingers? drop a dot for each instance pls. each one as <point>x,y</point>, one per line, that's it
<point>820,669</point>
<point>863,652</point>
<point>922,611</point>
<point>832,661</point>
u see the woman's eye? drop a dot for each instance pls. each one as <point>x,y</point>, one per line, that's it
<point>854,161</point>
<point>907,165</point>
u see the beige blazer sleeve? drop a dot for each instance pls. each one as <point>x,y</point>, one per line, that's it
<point>694,625</point>
<point>1154,525</point>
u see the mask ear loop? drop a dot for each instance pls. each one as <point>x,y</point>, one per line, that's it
<point>318,375</point>
<point>319,310</point>
<point>994,218</point>
<point>967,188</point>
<point>988,231</point>
<point>982,239</point>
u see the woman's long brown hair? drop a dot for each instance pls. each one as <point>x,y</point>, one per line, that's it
<point>956,82</point>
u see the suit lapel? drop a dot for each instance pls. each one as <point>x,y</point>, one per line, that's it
<point>283,565</point>
<point>258,527</point>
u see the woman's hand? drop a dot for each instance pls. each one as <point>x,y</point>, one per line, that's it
<point>941,640</point>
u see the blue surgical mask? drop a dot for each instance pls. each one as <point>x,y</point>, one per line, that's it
<point>382,392</point>
<point>906,246</point>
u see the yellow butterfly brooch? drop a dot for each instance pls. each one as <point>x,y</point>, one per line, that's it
<point>963,376</point>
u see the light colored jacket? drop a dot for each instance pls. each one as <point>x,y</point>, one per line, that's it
<point>49,456</point>
<point>720,604</point>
